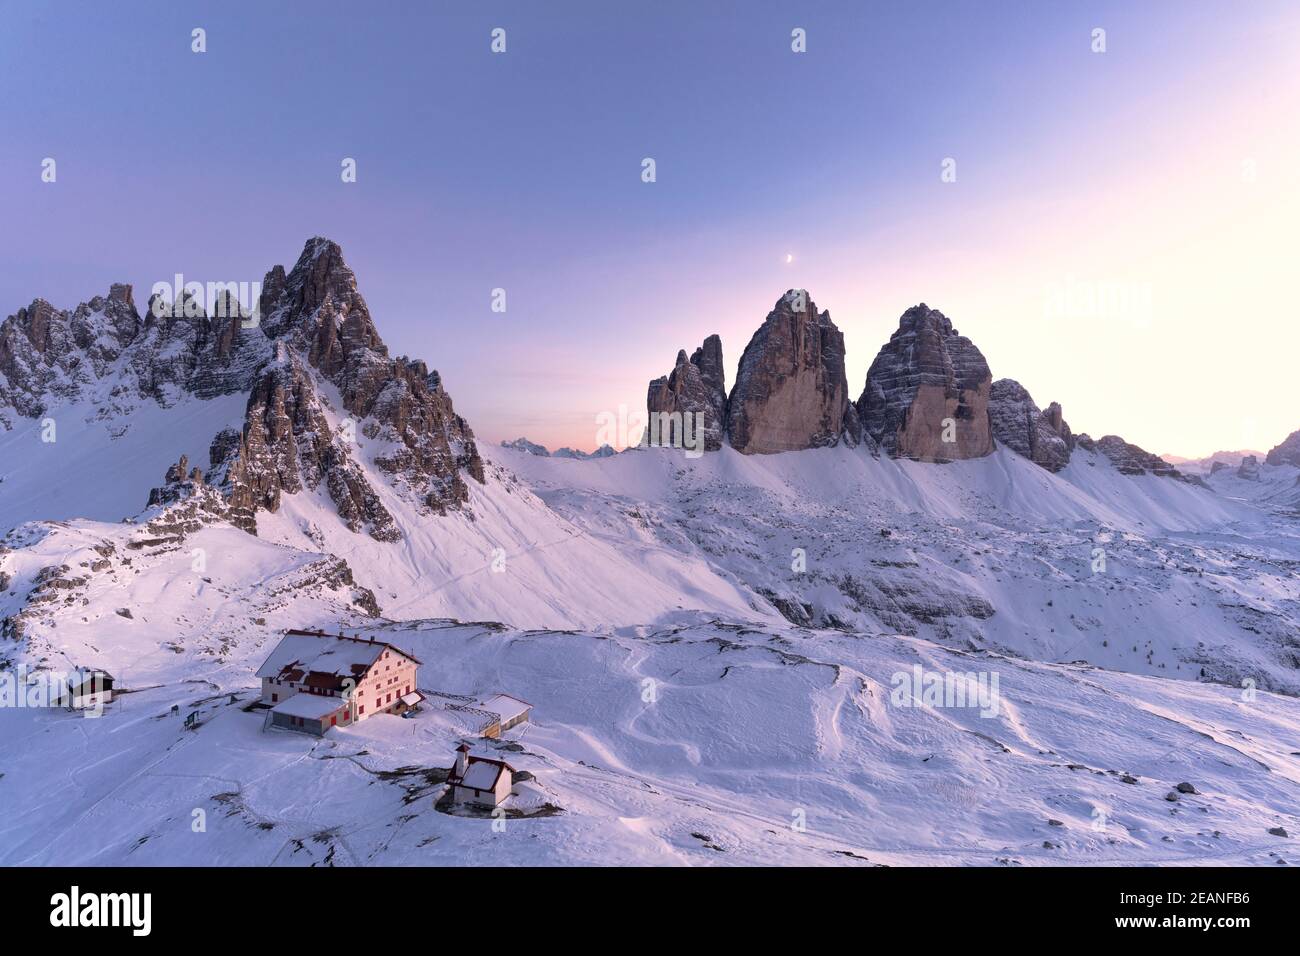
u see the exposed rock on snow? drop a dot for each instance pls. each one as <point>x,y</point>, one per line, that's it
<point>1249,468</point>
<point>1042,437</point>
<point>696,386</point>
<point>1132,460</point>
<point>926,376</point>
<point>1287,453</point>
<point>100,565</point>
<point>790,390</point>
<point>183,505</point>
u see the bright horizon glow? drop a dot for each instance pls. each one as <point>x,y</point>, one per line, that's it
<point>1163,171</point>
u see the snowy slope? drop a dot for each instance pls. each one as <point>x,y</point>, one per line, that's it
<point>1277,488</point>
<point>758,745</point>
<point>508,557</point>
<point>102,466</point>
<point>993,553</point>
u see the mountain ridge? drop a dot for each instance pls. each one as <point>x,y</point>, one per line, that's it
<point>314,335</point>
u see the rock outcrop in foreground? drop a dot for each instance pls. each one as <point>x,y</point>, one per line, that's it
<point>790,391</point>
<point>927,392</point>
<point>696,386</point>
<point>1042,437</point>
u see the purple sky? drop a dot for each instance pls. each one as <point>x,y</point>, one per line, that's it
<point>1160,175</point>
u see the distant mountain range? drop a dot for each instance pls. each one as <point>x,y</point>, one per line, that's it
<point>532,448</point>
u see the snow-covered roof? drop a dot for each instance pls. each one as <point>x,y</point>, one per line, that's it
<point>505,706</point>
<point>413,698</point>
<point>86,675</point>
<point>310,706</point>
<point>324,654</point>
<point>482,774</point>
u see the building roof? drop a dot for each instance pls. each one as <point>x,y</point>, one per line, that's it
<point>481,773</point>
<point>311,706</point>
<point>89,675</point>
<point>413,698</point>
<point>326,659</point>
<point>505,706</point>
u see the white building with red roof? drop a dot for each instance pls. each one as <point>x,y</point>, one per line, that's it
<point>313,681</point>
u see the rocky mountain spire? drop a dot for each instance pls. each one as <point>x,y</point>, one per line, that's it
<point>790,390</point>
<point>927,392</point>
<point>322,322</point>
<point>695,386</point>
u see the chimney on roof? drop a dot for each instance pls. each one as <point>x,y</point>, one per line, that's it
<point>462,760</point>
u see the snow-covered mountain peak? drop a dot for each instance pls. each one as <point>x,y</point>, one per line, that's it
<point>315,374</point>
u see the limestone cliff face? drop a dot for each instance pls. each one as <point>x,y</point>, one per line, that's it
<point>1042,437</point>
<point>696,386</point>
<point>927,385</point>
<point>790,390</point>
